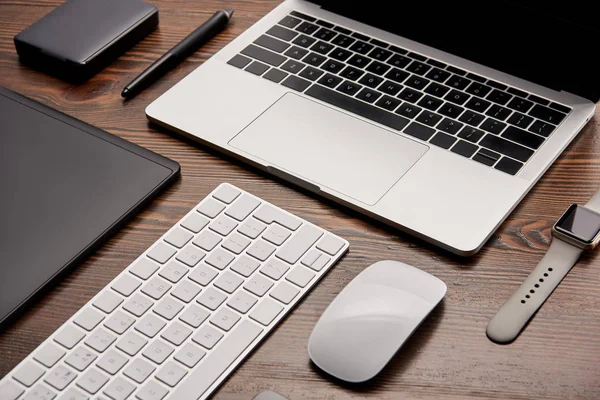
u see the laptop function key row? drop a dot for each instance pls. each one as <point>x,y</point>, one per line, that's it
<point>452,108</point>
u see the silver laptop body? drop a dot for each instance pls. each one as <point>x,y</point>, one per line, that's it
<point>452,197</point>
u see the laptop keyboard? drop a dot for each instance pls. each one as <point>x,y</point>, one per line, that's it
<point>467,114</point>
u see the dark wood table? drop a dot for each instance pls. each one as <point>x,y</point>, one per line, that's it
<point>449,357</point>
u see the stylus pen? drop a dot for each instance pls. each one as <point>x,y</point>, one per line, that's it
<point>177,54</point>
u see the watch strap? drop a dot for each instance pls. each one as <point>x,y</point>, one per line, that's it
<point>523,304</point>
<point>594,203</point>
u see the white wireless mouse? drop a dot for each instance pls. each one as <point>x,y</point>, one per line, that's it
<point>371,318</point>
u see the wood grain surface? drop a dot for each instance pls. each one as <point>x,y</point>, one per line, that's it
<point>449,357</point>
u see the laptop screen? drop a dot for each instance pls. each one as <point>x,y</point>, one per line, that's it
<point>553,44</point>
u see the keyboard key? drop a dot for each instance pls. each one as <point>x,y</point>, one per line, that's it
<point>223,225</point>
<point>284,292</point>
<point>509,166</point>
<point>416,82</point>
<point>161,253</point>
<point>436,90</point>
<point>359,61</point>
<point>419,131</point>
<point>307,28</point>
<point>493,126</point>
<point>168,308</point>
<point>471,134</point>
<point>457,97</point>
<point>399,61</point>
<point>242,302</point>
<point>143,269</point>
<point>112,362</point>
<point>380,54</point>
<point>156,288</point>
<point>236,243</point>
<point>465,149</point>
<point>296,52</point>
<point>458,82</point>
<point>311,73</point>
<point>303,16</point>
<point>252,228</point>
<point>282,33</point>
<point>357,107</point>
<point>456,71</point>
<point>319,263</point>
<point>523,137</point>
<point>300,276</point>
<point>264,55</point>
<point>152,391</point>
<point>497,85</point>
<point>158,351</point>
<point>378,43</point>
<point>538,100</point>
<point>443,140</point>
<point>29,373</point>
<point>207,337</point>
<point>239,61</point>
<point>361,47</point>
<point>429,118</point>
<point>400,50</point>
<point>39,392</point>
<point>322,47</point>
<point>194,316</point>
<point>333,66</point>
<point>245,266</point>
<point>100,340</point>
<point>520,104</point>
<point>507,148</point>
<point>131,343</point>
<point>186,291</point>
<point>397,75</point>
<point>274,269</point>
<point>225,319</point>
<point>69,336</point>
<point>299,244</point>
<point>486,157</point>
<point>520,120</point>
<point>150,325</point>
<point>190,355</point>
<point>477,78</point>
<point>410,95</point>
<point>368,95</point>
<point>89,318</point>
<point>138,305</point>
<point>499,97</point>
<point>190,255</point>
<point>176,333</point>
<point>325,24</point>
<point>340,54</point>
<point>212,298</point>
<point>389,103</point>
<point>343,41</point>
<point>417,56</point>
<point>276,235</point>
<point>10,390</point>
<point>257,68</point>
<point>119,322</point>
<point>293,66</point>
<point>409,110</point>
<point>478,89</point>
<point>228,282</point>
<point>220,259</point>
<point>207,240</point>
<point>430,103</point>
<point>370,80</point>
<point>477,104</point>
<point>560,107</point>
<point>119,389</point>
<point>377,68</point>
<point>517,92</point>
<point>203,274</point>
<point>438,75</point>
<point>351,73</point>
<point>498,112</point>
<point>419,68</point>
<point>325,34</point>
<point>304,41</point>
<point>60,377</point>
<point>261,250</point>
<point>547,114</point>
<point>266,312</point>
<point>258,285</point>
<point>139,370</point>
<point>49,355</point>
<point>449,126</point>
<point>471,118</point>
<point>173,272</point>
<point>450,110</point>
<point>213,366</point>
<point>272,43</point>
<point>92,381</point>
<point>80,359</point>
<point>349,88</point>
<point>542,128</point>
<point>329,81</point>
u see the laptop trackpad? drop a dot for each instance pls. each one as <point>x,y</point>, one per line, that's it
<point>329,148</point>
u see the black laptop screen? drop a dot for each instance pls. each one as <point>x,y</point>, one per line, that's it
<point>551,43</point>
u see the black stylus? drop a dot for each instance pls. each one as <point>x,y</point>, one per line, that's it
<point>177,54</point>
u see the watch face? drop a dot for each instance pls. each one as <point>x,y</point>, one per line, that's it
<point>580,223</point>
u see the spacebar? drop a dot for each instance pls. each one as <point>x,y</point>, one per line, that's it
<point>210,369</point>
<point>357,107</point>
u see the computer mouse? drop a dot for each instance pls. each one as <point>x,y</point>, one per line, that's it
<point>371,318</point>
<point>269,395</point>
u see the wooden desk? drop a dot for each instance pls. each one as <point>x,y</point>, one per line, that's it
<point>449,357</point>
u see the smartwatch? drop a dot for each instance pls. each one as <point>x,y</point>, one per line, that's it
<point>576,231</point>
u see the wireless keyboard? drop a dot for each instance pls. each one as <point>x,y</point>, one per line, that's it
<point>184,315</point>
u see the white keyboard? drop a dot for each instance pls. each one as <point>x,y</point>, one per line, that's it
<point>185,314</point>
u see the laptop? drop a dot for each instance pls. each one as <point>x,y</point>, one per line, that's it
<point>435,117</point>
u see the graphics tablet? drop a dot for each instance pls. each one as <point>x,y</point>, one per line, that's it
<point>65,187</point>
